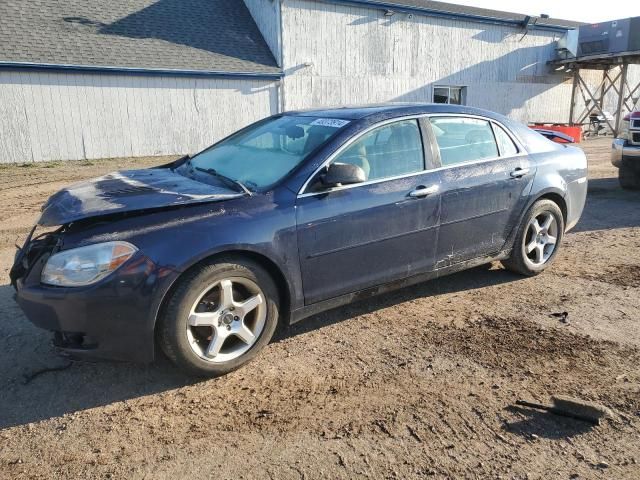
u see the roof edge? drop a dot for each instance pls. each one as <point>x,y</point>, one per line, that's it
<point>9,65</point>
<point>454,15</point>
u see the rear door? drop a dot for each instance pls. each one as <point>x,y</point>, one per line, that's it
<point>357,236</point>
<point>486,178</point>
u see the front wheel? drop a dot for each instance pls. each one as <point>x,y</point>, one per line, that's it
<point>219,316</point>
<point>538,239</point>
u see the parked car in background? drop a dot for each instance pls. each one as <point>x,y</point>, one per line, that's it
<point>625,152</point>
<point>293,215</point>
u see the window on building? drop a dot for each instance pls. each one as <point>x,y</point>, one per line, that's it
<point>387,151</point>
<point>451,95</point>
<point>462,139</point>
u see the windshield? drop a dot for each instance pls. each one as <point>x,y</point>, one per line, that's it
<point>265,152</point>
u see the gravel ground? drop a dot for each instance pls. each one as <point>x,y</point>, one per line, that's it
<point>421,382</point>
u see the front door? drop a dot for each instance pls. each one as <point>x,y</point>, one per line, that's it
<point>362,235</point>
<point>486,178</point>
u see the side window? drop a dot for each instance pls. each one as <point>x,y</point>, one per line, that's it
<point>463,139</point>
<point>387,151</point>
<point>506,145</point>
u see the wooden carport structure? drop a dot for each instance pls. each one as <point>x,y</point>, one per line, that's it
<point>614,78</point>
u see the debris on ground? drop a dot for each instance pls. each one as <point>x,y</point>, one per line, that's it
<point>582,408</point>
<point>572,408</point>
<point>562,316</point>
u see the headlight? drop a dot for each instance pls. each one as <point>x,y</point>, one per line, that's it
<point>624,130</point>
<point>86,265</point>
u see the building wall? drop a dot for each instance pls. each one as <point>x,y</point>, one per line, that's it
<point>266,14</point>
<point>360,56</point>
<point>54,116</point>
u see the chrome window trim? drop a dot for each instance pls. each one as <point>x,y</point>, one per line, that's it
<point>495,125</point>
<point>344,146</point>
<point>349,143</point>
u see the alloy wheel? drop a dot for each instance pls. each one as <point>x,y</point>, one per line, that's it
<point>541,238</point>
<point>226,320</point>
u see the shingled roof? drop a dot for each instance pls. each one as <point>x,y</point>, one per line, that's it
<point>187,35</point>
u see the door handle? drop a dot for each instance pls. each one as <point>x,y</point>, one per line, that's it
<point>519,172</point>
<point>423,191</point>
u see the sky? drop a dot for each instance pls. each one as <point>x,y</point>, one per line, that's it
<point>591,11</point>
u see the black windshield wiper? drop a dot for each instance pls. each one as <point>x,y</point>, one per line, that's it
<point>228,180</point>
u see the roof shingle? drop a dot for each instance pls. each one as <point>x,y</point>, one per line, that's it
<point>194,35</point>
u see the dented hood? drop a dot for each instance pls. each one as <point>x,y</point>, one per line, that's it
<point>128,191</point>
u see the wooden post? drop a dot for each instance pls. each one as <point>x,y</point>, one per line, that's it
<point>573,95</point>
<point>623,82</point>
<point>585,88</point>
<point>630,97</point>
<point>603,90</point>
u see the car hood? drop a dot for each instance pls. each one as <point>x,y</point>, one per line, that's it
<point>128,191</point>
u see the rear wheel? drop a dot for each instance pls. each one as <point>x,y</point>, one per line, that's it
<point>629,175</point>
<point>219,316</point>
<point>538,239</point>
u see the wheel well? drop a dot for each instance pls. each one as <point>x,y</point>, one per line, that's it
<point>558,200</point>
<point>271,268</point>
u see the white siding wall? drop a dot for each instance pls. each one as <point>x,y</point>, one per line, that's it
<point>54,116</point>
<point>266,14</point>
<point>361,56</point>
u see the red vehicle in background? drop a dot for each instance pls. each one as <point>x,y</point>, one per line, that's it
<point>625,153</point>
<point>559,133</point>
<point>555,135</point>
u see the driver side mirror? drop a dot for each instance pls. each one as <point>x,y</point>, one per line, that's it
<point>339,174</point>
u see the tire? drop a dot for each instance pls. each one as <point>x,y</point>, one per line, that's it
<point>207,331</point>
<point>628,176</point>
<point>523,260</point>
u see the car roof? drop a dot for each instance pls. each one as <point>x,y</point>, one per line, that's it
<point>391,110</point>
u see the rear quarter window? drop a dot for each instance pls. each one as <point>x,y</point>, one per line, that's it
<point>505,144</point>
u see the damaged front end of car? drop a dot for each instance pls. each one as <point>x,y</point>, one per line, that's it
<point>97,304</point>
<point>36,249</point>
<point>28,264</point>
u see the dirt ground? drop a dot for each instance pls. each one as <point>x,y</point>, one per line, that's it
<point>418,383</point>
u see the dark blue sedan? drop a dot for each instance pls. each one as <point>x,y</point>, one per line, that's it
<point>295,214</point>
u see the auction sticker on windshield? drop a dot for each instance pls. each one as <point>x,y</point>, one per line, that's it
<point>330,122</point>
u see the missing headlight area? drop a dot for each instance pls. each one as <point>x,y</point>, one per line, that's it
<point>41,242</point>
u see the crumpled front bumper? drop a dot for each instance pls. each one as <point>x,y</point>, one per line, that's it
<point>113,319</point>
<point>622,151</point>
